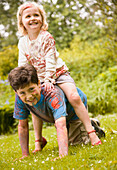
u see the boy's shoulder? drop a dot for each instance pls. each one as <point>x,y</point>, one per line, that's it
<point>54,93</point>
<point>19,103</point>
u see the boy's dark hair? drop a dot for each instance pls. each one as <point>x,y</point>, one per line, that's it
<point>22,76</point>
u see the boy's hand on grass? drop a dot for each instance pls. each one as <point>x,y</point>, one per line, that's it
<point>24,156</point>
<point>56,159</point>
<point>59,157</point>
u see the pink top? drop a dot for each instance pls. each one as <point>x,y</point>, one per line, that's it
<point>41,53</point>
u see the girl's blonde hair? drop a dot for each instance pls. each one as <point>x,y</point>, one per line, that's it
<point>24,6</point>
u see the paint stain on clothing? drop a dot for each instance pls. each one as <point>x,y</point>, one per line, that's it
<point>55,103</point>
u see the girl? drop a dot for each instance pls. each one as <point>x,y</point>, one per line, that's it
<point>37,47</point>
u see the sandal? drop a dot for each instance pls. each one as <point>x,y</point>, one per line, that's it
<point>99,142</point>
<point>99,131</point>
<point>44,142</point>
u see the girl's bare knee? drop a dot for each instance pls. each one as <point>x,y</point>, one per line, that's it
<point>75,99</point>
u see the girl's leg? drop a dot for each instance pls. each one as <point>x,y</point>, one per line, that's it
<point>80,110</point>
<point>37,124</point>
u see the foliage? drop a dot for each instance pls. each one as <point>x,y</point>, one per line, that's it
<point>7,122</point>
<point>80,157</point>
<point>8,59</point>
<point>108,18</point>
<point>86,60</point>
<point>7,98</point>
<point>102,92</point>
<point>81,17</point>
<point>93,67</point>
<point>8,22</point>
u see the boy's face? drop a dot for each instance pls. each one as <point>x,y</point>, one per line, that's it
<point>30,94</point>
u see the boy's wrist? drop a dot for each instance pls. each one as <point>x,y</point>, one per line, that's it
<point>26,153</point>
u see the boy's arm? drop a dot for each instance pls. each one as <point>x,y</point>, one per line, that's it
<point>56,103</point>
<point>62,136</point>
<point>23,133</point>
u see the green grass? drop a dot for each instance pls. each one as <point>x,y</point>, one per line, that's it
<point>83,157</point>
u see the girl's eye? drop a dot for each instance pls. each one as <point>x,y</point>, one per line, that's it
<point>36,15</point>
<point>28,16</point>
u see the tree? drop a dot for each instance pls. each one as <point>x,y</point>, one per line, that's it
<point>66,18</point>
<point>8,22</point>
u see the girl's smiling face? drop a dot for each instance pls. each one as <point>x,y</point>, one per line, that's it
<point>32,20</point>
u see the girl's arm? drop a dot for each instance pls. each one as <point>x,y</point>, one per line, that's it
<point>54,65</point>
<point>22,52</point>
<point>50,62</point>
<point>50,57</point>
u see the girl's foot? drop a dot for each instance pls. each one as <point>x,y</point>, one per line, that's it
<point>99,131</point>
<point>94,138</point>
<point>39,145</point>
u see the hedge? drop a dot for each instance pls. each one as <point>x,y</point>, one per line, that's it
<point>87,60</point>
<point>7,122</point>
<point>102,93</point>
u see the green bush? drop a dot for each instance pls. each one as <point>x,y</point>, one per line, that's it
<point>93,67</point>
<point>7,96</point>
<point>102,93</point>
<point>8,59</point>
<point>86,60</point>
<point>7,122</point>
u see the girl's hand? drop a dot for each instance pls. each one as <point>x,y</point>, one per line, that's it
<point>48,86</point>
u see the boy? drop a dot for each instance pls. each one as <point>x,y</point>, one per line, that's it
<point>49,106</point>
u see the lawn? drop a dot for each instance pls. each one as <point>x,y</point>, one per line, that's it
<point>102,157</point>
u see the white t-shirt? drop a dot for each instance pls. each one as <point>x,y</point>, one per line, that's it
<point>42,54</point>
